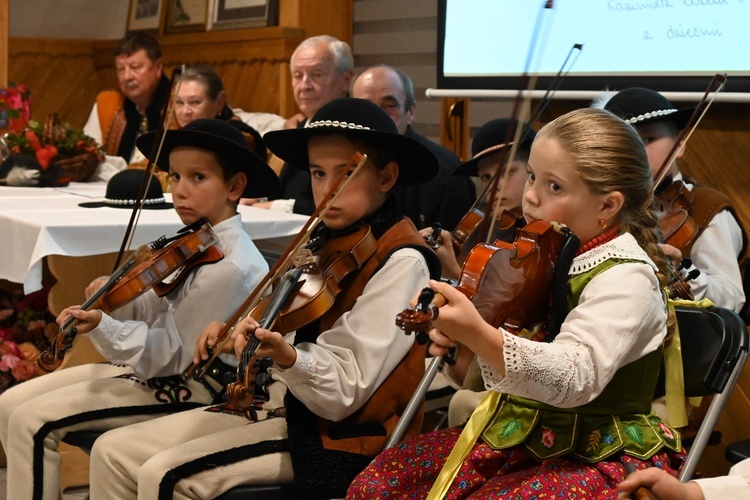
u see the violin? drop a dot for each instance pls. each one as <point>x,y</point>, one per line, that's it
<point>468,232</point>
<point>161,265</point>
<point>510,283</point>
<point>674,203</point>
<point>306,293</point>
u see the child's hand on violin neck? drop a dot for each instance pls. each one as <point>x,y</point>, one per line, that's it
<point>458,319</point>
<point>207,341</point>
<point>272,344</point>
<point>674,253</point>
<point>87,320</point>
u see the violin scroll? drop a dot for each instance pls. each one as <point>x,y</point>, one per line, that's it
<point>418,320</point>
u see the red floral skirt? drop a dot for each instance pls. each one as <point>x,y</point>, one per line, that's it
<point>408,470</point>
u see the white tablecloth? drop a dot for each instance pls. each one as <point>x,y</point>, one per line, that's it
<point>36,222</point>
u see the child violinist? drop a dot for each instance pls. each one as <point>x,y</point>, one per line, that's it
<point>349,374</point>
<point>561,417</point>
<point>487,154</point>
<point>148,342</point>
<point>718,241</point>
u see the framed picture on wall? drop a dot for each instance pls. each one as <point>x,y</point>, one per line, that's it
<point>186,15</point>
<point>144,15</point>
<point>232,14</point>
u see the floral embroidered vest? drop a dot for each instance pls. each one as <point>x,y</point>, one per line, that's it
<point>618,420</point>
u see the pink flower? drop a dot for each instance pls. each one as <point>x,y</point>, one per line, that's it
<point>8,361</point>
<point>666,431</point>
<point>23,370</point>
<point>36,324</point>
<point>548,437</point>
<point>7,347</point>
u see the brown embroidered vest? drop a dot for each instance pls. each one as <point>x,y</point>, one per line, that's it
<point>111,119</point>
<point>327,455</point>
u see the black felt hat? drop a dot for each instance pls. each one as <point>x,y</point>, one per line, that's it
<point>224,140</point>
<point>638,105</point>
<point>360,119</point>
<point>123,188</point>
<point>490,138</point>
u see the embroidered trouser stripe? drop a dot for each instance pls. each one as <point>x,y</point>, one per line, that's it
<point>91,416</point>
<point>218,459</point>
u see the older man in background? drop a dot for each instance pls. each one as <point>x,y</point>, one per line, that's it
<point>321,69</point>
<point>118,117</point>
<point>445,198</point>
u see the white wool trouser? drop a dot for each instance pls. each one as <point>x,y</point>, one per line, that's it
<point>199,453</point>
<point>37,414</point>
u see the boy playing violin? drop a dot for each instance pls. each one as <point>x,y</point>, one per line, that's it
<point>718,241</point>
<point>149,341</point>
<point>349,374</point>
<point>487,150</point>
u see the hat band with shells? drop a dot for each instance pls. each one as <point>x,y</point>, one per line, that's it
<point>652,114</point>
<point>152,201</point>
<point>493,148</point>
<point>337,124</point>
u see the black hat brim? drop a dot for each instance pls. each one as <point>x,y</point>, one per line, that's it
<point>416,163</point>
<point>262,181</point>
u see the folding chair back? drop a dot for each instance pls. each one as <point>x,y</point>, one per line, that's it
<point>714,345</point>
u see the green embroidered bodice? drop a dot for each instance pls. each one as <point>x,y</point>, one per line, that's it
<point>618,420</point>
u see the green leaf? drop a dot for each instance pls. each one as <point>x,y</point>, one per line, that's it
<point>635,433</point>
<point>510,428</point>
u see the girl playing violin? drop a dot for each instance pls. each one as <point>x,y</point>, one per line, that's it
<point>349,374</point>
<point>149,341</point>
<point>561,416</point>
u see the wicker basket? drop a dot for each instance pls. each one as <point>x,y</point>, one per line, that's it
<point>77,168</point>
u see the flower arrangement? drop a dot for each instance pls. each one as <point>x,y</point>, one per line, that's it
<point>52,142</point>
<point>26,328</point>
<point>15,107</point>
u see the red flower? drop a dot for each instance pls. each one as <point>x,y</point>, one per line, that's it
<point>44,155</point>
<point>33,140</point>
<point>548,437</point>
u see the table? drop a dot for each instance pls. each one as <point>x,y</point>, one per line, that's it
<point>47,223</point>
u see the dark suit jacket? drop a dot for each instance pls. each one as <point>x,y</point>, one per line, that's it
<point>445,198</point>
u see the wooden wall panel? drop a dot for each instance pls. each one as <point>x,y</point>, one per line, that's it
<point>59,73</point>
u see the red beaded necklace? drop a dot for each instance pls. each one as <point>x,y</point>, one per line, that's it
<point>608,235</point>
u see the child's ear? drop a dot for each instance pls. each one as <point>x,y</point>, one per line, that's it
<point>237,185</point>
<point>611,204</point>
<point>388,177</point>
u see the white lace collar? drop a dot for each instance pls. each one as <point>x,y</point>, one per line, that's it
<point>623,247</point>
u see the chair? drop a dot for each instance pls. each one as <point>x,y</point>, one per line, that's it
<point>714,352</point>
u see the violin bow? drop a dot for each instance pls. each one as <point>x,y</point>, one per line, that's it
<point>553,87</point>
<point>520,103</point>
<point>153,157</point>
<point>714,87</point>
<point>283,264</point>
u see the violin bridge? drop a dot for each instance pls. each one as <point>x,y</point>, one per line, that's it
<point>304,257</point>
